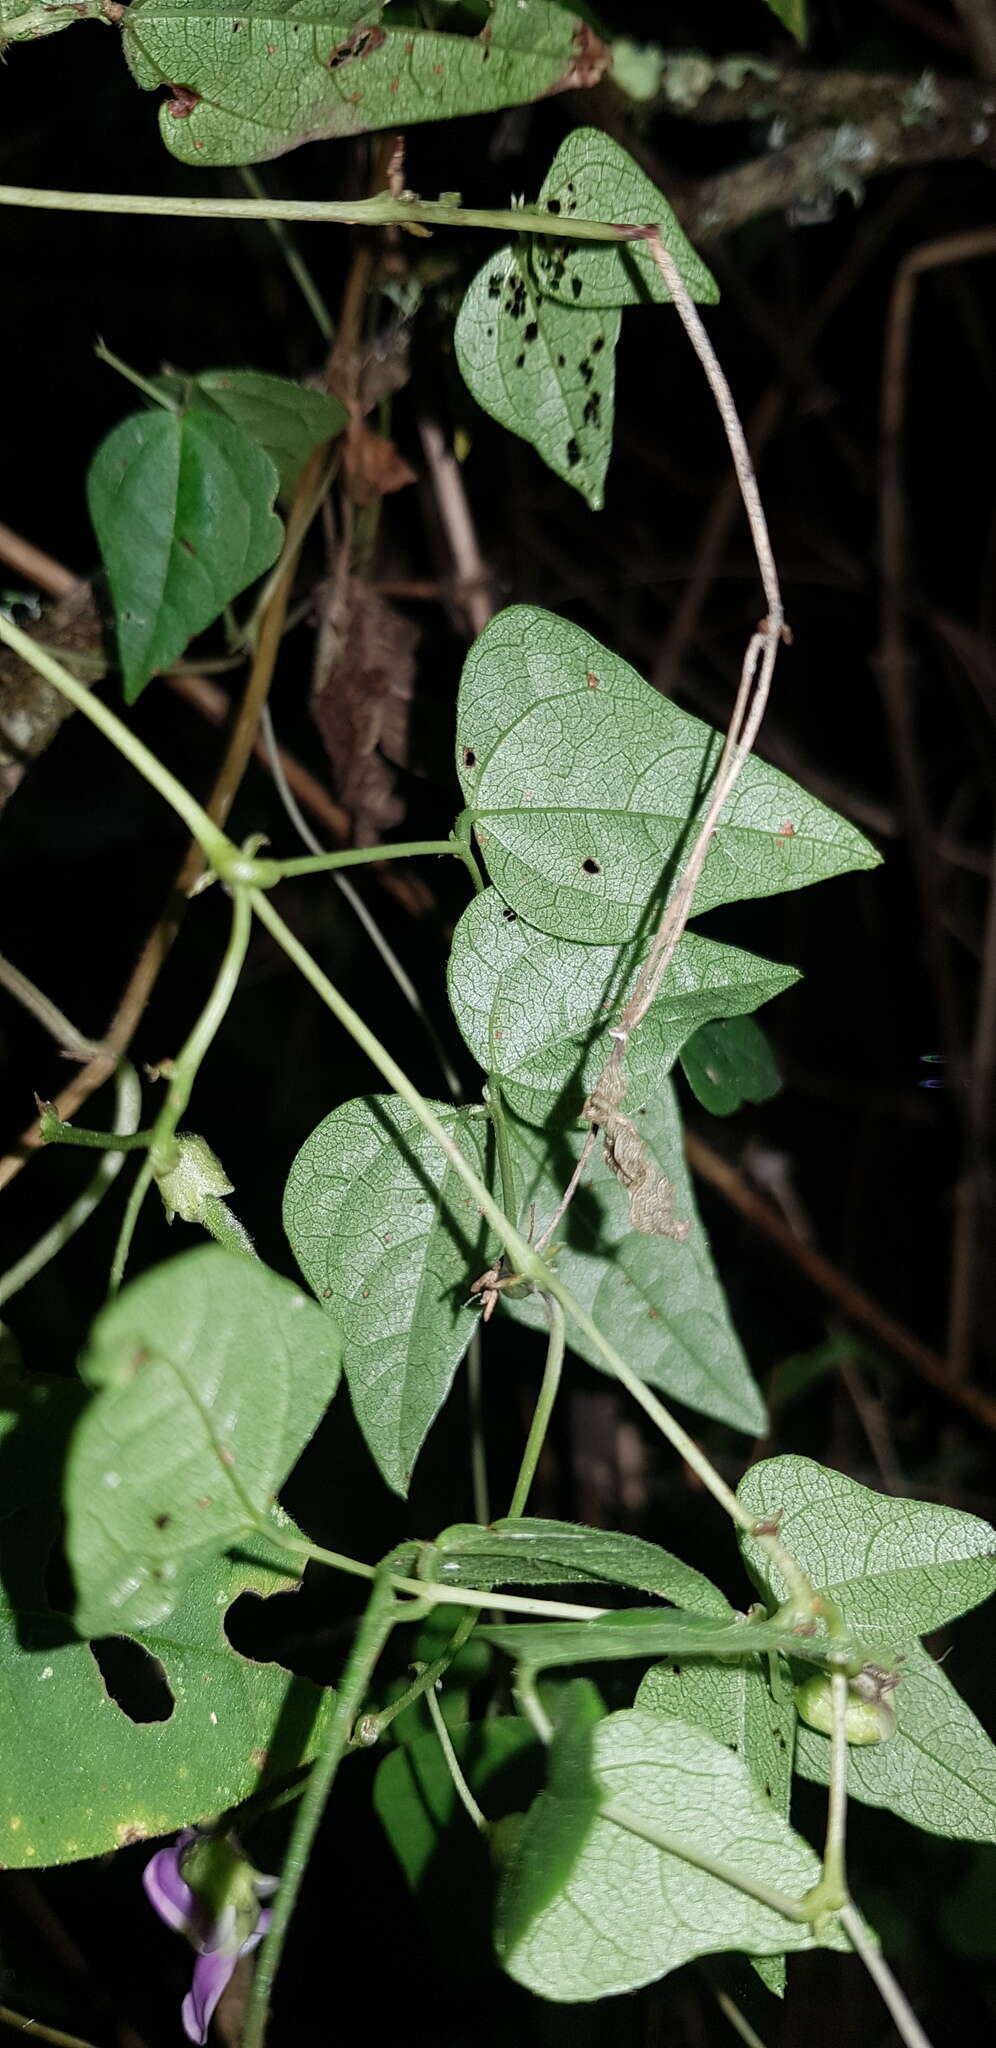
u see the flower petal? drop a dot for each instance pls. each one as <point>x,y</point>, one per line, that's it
<point>211,1974</point>
<point>168,1891</point>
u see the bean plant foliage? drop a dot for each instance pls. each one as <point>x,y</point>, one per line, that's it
<point>556,1194</point>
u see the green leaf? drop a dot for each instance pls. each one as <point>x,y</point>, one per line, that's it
<point>585,786</point>
<point>793,14</point>
<point>735,1704</point>
<point>285,419</point>
<point>588,1908</point>
<point>387,1235</point>
<point>20,22</point>
<point>182,506</point>
<point>210,1375</point>
<point>906,1566</point>
<point>659,1301</point>
<point>592,178</point>
<point>81,1778</point>
<point>414,1795</point>
<point>729,1062</point>
<point>534,1552</point>
<point>939,1768</point>
<point>546,372</point>
<point>262,78</point>
<point>525,1002</point>
<point>651,1632</point>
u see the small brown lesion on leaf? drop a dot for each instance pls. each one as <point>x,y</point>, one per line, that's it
<point>361,43</point>
<point>182,102</point>
<point>589,63</point>
<point>129,1832</point>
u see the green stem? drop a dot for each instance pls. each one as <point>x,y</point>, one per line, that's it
<point>55,1131</point>
<point>377,1622</point>
<point>543,1410</point>
<point>127,1106</point>
<point>503,1146</point>
<point>216,847</point>
<point>834,1883</point>
<point>891,1993</point>
<point>524,1259</point>
<point>460,1785</point>
<point>294,260</point>
<point>142,384</point>
<point>223,1225</point>
<point>185,1070</point>
<point>679,1845</point>
<point>383,210</point>
<point>353,857</point>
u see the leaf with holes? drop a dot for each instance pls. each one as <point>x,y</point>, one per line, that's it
<point>660,1302</point>
<point>80,1777</point>
<point>585,787</point>
<point>729,1062</point>
<point>529,1551</point>
<point>182,506</point>
<point>285,419</point>
<point>386,1233</point>
<point>253,81</point>
<point>209,1375</point>
<point>544,371</point>
<point>909,1566</point>
<point>592,178</point>
<point>589,1906</point>
<point>525,1002</point>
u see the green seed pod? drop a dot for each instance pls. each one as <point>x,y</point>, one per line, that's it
<point>871,1715</point>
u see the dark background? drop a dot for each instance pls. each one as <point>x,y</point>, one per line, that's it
<point>874,1157</point>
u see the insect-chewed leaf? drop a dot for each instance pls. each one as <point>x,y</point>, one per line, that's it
<point>544,371</point>
<point>585,787</point>
<point>182,505</point>
<point>592,178</point>
<point>81,1778</point>
<point>589,1907</point>
<point>659,1301</point>
<point>525,1003</point>
<point>252,81</point>
<point>729,1062</point>
<point>210,1375</point>
<point>387,1235</point>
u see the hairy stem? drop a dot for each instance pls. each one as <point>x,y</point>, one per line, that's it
<point>383,210</point>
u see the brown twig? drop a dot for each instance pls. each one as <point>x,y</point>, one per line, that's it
<point>858,1306</point>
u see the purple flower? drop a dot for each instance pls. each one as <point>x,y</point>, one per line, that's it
<point>204,1889</point>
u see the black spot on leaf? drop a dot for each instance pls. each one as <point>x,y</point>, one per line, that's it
<point>591,866</point>
<point>573,453</point>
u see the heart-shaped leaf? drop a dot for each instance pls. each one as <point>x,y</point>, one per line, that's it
<point>907,1566</point>
<point>388,1236</point>
<point>659,1301</point>
<point>592,178</point>
<point>253,83</point>
<point>80,1777</point>
<point>182,506</point>
<point>589,1907</point>
<point>525,1003</point>
<point>585,787</point>
<point>544,371</point>
<point>210,1375</point>
<point>729,1062</point>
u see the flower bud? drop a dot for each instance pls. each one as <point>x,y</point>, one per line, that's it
<point>193,1173</point>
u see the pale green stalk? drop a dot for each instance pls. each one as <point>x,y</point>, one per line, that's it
<point>383,210</point>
